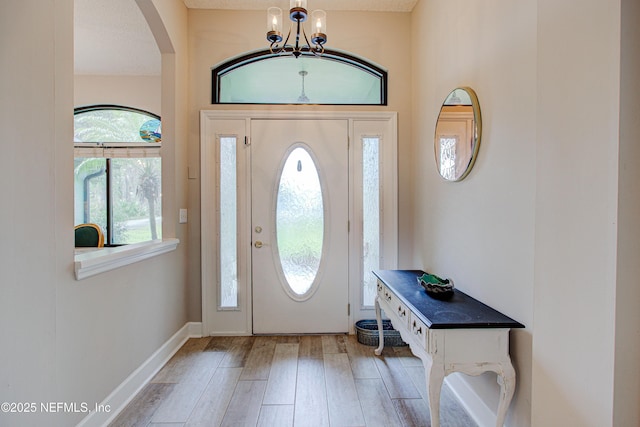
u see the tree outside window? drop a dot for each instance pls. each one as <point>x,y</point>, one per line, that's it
<point>117,171</point>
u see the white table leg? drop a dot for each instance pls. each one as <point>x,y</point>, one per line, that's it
<point>507,388</point>
<point>378,351</point>
<point>435,377</point>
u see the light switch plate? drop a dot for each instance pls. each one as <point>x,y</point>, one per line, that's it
<point>183,216</point>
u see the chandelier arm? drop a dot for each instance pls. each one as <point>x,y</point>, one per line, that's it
<point>316,50</point>
<point>279,49</point>
<point>308,45</point>
<point>275,50</point>
<point>286,41</point>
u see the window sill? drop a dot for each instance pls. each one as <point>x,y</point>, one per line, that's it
<point>98,260</point>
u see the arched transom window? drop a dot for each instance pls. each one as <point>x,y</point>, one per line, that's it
<point>334,78</point>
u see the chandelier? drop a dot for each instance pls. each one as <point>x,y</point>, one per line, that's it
<point>297,14</point>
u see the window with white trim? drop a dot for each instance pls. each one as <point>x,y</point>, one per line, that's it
<point>117,172</point>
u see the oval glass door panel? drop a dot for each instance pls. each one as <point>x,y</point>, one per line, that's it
<point>299,222</point>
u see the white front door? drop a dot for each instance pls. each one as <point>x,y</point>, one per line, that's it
<point>300,244</point>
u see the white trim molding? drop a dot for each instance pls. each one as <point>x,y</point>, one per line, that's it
<point>98,260</point>
<point>120,397</point>
<point>209,115</point>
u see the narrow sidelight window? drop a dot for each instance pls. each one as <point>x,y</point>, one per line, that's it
<point>370,217</point>
<point>228,223</point>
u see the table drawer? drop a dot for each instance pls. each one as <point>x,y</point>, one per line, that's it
<point>393,306</point>
<point>381,290</point>
<point>400,310</point>
<point>419,331</point>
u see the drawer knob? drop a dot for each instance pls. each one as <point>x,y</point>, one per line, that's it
<point>401,312</point>
<point>417,331</point>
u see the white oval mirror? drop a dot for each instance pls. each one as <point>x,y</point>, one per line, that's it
<point>457,136</point>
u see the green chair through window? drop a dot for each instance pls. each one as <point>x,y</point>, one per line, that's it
<point>89,236</point>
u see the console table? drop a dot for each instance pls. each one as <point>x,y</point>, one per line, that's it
<point>460,334</point>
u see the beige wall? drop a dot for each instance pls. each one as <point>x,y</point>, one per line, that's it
<point>65,340</point>
<point>143,92</point>
<point>480,231</point>
<point>36,189</point>
<point>545,228</point>
<point>576,211</point>
<point>215,36</point>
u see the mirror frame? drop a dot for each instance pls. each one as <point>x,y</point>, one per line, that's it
<point>477,132</point>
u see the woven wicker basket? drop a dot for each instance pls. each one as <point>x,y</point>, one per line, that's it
<point>367,332</point>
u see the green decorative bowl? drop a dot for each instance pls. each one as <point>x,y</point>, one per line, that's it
<point>436,287</point>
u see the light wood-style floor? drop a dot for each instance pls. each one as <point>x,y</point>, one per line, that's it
<point>312,380</point>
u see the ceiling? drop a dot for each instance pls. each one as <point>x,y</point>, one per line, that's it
<point>370,5</point>
<point>113,38</point>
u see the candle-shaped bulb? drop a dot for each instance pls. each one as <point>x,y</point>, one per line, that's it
<point>274,21</point>
<point>298,4</point>
<point>274,18</point>
<point>319,18</point>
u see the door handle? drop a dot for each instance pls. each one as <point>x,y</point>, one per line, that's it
<point>258,244</point>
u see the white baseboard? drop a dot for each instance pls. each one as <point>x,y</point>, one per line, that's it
<point>469,399</point>
<point>126,391</point>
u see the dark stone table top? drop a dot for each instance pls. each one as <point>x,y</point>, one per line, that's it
<point>460,311</point>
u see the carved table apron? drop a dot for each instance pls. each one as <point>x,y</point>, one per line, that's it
<point>457,335</point>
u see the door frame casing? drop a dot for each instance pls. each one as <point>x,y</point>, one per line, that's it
<point>238,122</point>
